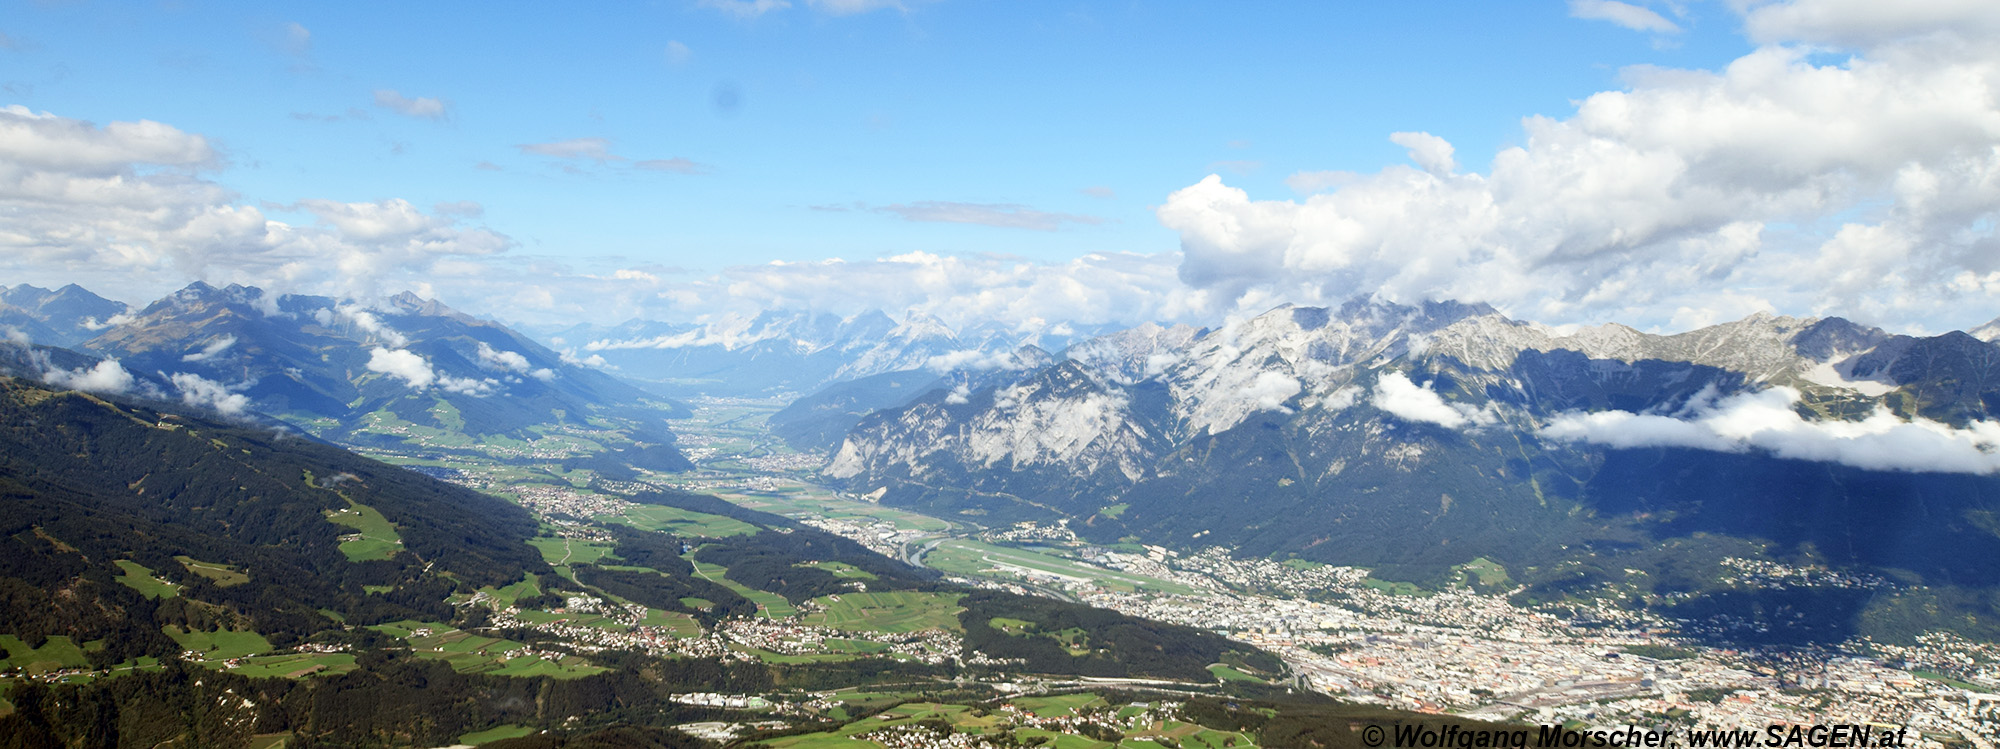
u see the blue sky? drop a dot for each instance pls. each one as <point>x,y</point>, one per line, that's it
<point>1031,104</point>
<point>542,150</point>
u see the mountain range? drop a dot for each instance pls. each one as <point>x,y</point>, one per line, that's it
<point>1411,439</point>
<point>380,374</point>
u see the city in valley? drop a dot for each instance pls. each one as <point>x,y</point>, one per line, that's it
<point>1339,631</point>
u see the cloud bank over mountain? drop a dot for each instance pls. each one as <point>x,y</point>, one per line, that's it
<point>1768,421</point>
<point>1848,164</point>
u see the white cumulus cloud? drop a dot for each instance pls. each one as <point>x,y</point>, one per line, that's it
<point>122,208</point>
<point>197,390</point>
<point>212,350</point>
<point>498,359</point>
<point>1395,393</point>
<point>402,364</point>
<point>1767,421</point>
<point>370,326</point>
<point>106,376</point>
<point>480,387</point>
<point>1860,184</point>
<point>973,360</point>
<point>1269,391</point>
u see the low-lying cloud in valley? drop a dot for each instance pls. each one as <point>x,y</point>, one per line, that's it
<point>1768,421</point>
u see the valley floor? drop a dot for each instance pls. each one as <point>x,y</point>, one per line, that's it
<point>1360,639</point>
<point>1339,631</point>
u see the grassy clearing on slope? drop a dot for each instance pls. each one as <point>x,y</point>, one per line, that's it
<point>1225,673</point>
<point>681,522</point>
<point>220,645</point>
<point>224,575</point>
<point>792,660</point>
<point>386,422</point>
<point>769,605</point>
<point>1481,571</point>
<point>802,505</point>
<point>506,596</point>
<point>58,652</point>
<point>893,611</point>
<point>475,654</point>
<point>680,625</point>
<point>841,569</point>
<point>377,537</point>
<point>562,551</point>
<point>1395,587</point>
<point>495,733</point>
<point>1059,705</point>
<point>139,577</point>
<point>294,665</point>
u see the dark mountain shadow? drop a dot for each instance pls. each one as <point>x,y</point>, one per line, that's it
<point>1564,380</point>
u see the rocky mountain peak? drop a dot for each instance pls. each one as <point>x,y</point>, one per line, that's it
<point>1990,332</point>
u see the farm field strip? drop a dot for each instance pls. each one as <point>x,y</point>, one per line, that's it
<point>968,557</point>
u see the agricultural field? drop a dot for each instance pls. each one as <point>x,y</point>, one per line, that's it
<point>294,665</point>
<point>506,596</point>
<point>1395,587</point>
<point>841,569</point>
<point>1225,672</point>
<point>470,653</point>
<point>1059,705</point>
<point>895,611</point>
<point>790,659</point>
<point>377,536</point>
<point>1074,639</point>
<point>220,645</point>
<point>224,575</point>
<point>1482,571</point>
<point>386,422</point>
<point>563,551</point>
<point>681,522</point>
<point>597,621</point>
<point>495,733</point>
<point>139,577</point>
<point>769,605</point>
<point>58,652</point>
<point>806,503</point>
<point>1046,721</point>
<point>681,625</point>
<point>966,557</point>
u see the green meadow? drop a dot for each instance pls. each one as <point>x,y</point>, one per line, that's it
<point>139,577</point>
<point>894,611</point>
<point>378,540</point>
